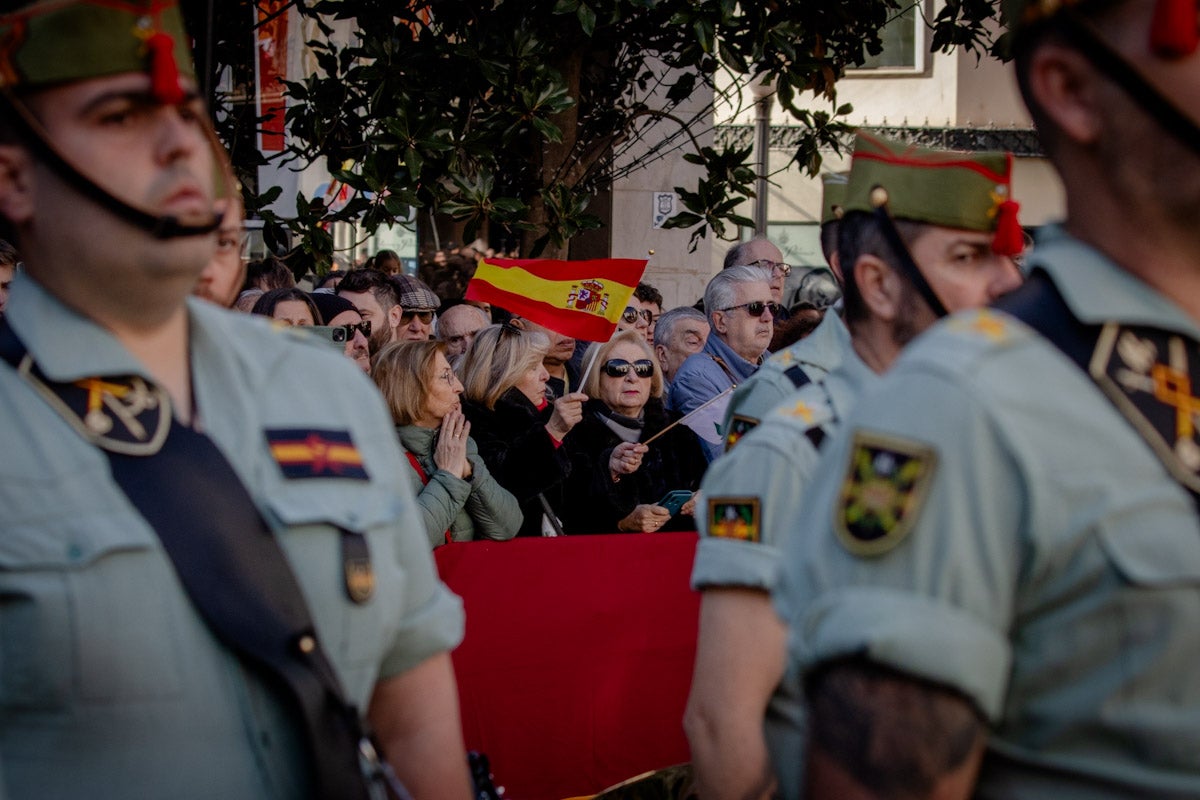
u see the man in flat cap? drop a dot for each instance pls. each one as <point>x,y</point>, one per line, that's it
<point>921,235</point>
<point>213,580</point>
<point>419,304</point>
<point>999,579</point>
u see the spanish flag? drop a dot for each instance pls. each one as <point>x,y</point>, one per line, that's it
<point>580,299</point>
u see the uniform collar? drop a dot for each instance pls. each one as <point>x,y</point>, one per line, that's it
<point>65,345</point>
<point>1097,290</point>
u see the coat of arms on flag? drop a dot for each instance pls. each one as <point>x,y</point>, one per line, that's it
<point>588,296</point>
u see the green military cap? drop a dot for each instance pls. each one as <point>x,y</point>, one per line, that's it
<point>51,42</point>
<point>833,193</point>
<point>972,191</point>
<point>1173,29</point>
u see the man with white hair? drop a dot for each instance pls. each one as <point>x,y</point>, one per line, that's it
<point>741,311</point>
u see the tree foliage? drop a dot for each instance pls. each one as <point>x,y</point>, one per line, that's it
<point>517,112</point>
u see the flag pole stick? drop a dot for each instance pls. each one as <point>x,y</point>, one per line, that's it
<point>588,369</point>
<point>691,413</point>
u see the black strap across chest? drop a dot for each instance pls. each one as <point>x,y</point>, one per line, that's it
<point>1040,305</point>
<point>237,577</point>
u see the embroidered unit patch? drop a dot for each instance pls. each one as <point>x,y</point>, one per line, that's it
<point>739,426</point>
<point>886,482</point>
<point>311,453</point>
<point>734,518</point>
<point>1147,373</point>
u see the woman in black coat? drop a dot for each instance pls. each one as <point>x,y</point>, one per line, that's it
<point>520,434</point>
<point>615,481</point>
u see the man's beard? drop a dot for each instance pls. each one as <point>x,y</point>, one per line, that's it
<point>379,337</point>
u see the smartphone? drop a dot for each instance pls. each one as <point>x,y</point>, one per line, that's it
<point>335,335</point>
<point>674,500</point>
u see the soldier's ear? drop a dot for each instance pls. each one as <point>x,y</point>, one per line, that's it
<point>1068,90</point>
<point>879,286</point>
<point>16,185</point>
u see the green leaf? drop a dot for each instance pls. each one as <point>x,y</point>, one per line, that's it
<point>587,19</point>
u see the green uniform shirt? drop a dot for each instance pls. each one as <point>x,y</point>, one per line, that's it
<point>1034,554</point>
<point>110,683</point>
<point>776,460</point>
<point>816,354</point>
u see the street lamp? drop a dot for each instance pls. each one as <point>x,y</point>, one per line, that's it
<point>764,96</point>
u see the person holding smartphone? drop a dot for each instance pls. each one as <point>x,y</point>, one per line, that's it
<point>617,479</point>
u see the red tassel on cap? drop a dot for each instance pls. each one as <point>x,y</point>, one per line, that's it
<point>1009,239</point>
<point>1174,32</point>
<point>164,72</point>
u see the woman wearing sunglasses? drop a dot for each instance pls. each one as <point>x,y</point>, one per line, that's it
<point>615,480</point>
<point>458,497</point>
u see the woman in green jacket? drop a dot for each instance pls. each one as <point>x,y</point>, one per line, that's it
<point>459,499</point>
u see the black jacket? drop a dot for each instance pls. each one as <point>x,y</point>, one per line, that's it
<point>596,504</point>
<point>520,454</point>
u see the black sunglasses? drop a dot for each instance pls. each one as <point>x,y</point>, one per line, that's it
<point>756,308</point>
<point>630,315</point>
<point>344,333</point>
<point>426,316</point>
<point>619,367</point>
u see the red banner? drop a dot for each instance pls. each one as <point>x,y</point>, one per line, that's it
<point>580,299</point>
<point>271,18</point>
<point>578,656</point>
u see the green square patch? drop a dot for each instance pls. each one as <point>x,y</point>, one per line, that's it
<point>739,426</point>
<point>735,518</point>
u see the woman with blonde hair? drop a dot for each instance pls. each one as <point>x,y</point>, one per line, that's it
<point>459,498</point>
<point>615,480</point>
<point>520,433</point>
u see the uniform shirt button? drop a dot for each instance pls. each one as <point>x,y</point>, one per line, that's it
<point>307,644</point>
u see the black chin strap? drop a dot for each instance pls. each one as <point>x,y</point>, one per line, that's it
<point>1140,91</point>
<point>161,227</point>
<point>907,266</point>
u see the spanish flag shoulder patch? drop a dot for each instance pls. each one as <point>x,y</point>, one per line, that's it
<point>316,453</point>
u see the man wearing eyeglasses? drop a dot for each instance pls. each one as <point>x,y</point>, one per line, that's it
<point>221,280</point>
<point>741,314</point>
<point>419,304</point>
<point>895,288</point>
<point>760,252</point>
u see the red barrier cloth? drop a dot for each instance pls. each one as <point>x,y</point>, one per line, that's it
<point>577,659</point>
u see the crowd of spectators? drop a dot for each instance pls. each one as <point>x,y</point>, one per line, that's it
<point>510,428</point>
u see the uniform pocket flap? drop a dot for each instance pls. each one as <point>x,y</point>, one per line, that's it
<point>1158,553</point>
<point>352,507</point>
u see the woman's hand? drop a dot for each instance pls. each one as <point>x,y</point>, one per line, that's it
<point>689,508</point>
<point>568,410</point>
<point>451,451</point>
<point>645,518</point>
<point>625,459</point>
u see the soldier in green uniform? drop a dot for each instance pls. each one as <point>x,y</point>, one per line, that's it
<point>1002,580</point>
<point>946,206</point>
<point>212,573</point>
<point>808,359</point>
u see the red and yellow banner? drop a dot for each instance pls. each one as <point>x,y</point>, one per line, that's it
<point>580,299</point>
